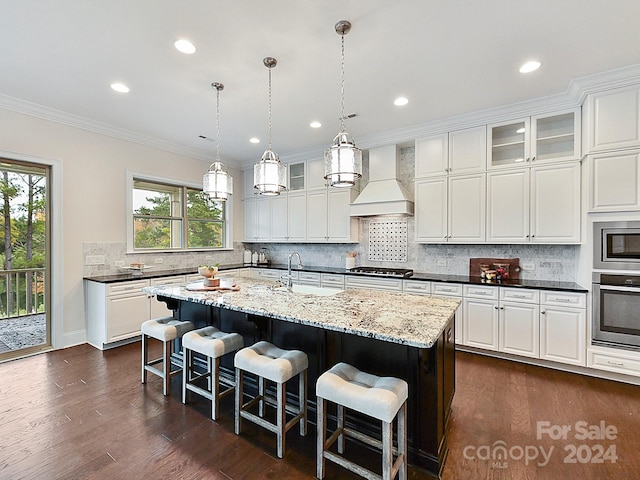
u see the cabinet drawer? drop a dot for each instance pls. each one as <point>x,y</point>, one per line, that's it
<point>126,287</point>
<point>332,280</point>
<point>614,363</point>
<point>173,280</point>
<point>309,276</point>
<point>274,274</point>
<point>416,286</point>
<point>371,283</point>
<point>475,291</point>
<point>566,299</point>
<point>446,289</point>
<point>519,295</point>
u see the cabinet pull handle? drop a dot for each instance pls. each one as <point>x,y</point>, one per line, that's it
<point>496,307</point>
<point>561,299</point>
<point>617,364</point>
<point>533,159</point>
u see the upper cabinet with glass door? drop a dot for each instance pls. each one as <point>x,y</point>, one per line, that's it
<point>297,179</point>
<point>538,139</point>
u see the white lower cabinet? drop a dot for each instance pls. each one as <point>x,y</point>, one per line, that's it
<point>480,319</point>
<point>332,280</point>
<point>532,323</point>
<point>445,289</point>
<point>373,283</point>
<point>563,327</point>
<point>115,311</point>
<point>309,278</point>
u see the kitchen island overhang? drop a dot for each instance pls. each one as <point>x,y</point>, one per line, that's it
<point>388,334</point>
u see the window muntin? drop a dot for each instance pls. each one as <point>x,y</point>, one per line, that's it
<point>175,217</point>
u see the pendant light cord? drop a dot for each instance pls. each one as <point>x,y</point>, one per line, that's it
<point>217,124</point>
<point>269,145</point>
<point>342,84</point>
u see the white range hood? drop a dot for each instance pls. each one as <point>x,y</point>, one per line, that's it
<point>384,194</point>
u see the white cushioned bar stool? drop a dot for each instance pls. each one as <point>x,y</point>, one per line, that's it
<point>213,344</point>
<point>269,362</point>
<point>383,398</point>
<point>166,330</point>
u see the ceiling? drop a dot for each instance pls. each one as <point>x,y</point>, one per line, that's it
<point>447,57</point>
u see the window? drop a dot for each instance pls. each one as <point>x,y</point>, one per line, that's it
<point>175,217</point>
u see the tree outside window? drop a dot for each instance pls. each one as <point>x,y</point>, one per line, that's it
<point>168,217</point>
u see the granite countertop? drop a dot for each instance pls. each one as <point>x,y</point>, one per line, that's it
<point>427,277</point>
<point>402,318</point>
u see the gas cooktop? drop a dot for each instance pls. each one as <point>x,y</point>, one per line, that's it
<point>383,271</point>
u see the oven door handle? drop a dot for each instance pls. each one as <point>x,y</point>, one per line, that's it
<point>620,288</point>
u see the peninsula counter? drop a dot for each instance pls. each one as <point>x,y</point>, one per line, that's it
<point>389,334</point>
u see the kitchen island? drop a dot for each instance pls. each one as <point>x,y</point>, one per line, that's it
<point>406,336</point>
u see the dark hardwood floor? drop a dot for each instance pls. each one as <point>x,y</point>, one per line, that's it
<point>82,413</point>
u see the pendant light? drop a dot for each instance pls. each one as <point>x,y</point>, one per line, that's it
<point>269,175</point>
<point>217,183</point>
<point>342,160</point>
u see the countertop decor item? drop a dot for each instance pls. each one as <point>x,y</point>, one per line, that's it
<point>495,269</point>
<point>209,273</point>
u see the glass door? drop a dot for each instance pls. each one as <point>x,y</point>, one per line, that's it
<point>25,325</point>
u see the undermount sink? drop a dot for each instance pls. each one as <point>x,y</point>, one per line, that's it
<point>312,290</point>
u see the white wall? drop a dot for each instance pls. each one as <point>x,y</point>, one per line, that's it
<point>93,168</point>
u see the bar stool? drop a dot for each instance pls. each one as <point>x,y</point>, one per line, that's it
<point>269,362</point>
<point>165,329</point>
<point>382,398</point>
<point>213,344</point>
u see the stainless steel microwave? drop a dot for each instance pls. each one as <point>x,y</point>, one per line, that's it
<point>616,245</point>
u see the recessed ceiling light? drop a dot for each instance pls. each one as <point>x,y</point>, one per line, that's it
<point>254,140</point>
<point>401,101</point>
<point>120,87</point>
<point>185,46</point>
<point>315,124</point>
<point>530,66</point>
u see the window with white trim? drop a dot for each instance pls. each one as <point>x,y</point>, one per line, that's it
<point>168,216</point>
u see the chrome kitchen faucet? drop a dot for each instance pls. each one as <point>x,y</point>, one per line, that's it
<point>289,277</point>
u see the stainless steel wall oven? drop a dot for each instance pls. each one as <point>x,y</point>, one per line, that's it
<point>616,310</point>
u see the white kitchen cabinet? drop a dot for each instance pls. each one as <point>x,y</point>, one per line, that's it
<point>115,311</point>
<point>315,174</point>
<point>542,138</point>
<point>332,280</point>
<point>257,215</point>
<point>458,152</point>
<point>373,283</point>
<point>278,218</point>
<point>534,205</point>
<point>416,287</point>
<point>613,119</point>
<point>297,176</point>
<point>614,360</point>
<point>247,183</point>
<point>519,328</point>
<point>158,309</point>
<point>309,278</point>
<point>328,216</point>
<point>297,217</point>
<point>446,289</point>
<point>563,327</point>
<point>450,209</point>
<point>480,317</point>
<point>614,181</point>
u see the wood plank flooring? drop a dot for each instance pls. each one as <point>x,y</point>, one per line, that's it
<point>81,413</point>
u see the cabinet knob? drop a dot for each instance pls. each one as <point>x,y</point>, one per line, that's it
<point>533,159</point>
<point>543,312</point>
<point>532,236</point>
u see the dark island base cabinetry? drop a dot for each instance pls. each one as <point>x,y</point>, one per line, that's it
<point>430,372</point>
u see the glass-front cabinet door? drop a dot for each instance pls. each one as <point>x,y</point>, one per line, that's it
<point>556,137</point>
<point>509,144</point>
<point>296,176</point>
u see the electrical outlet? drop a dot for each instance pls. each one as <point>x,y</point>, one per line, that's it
<point>94,260</point>
<point>119,263</point>
<point>159,260</point>
<point>528,266</point>
<point>442,263</point>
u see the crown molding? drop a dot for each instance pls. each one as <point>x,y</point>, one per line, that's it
<point>51,114</point>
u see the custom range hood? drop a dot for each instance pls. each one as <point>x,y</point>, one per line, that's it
<point>384,194</point>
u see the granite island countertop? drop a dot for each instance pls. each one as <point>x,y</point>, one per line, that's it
<point>413,320</point>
